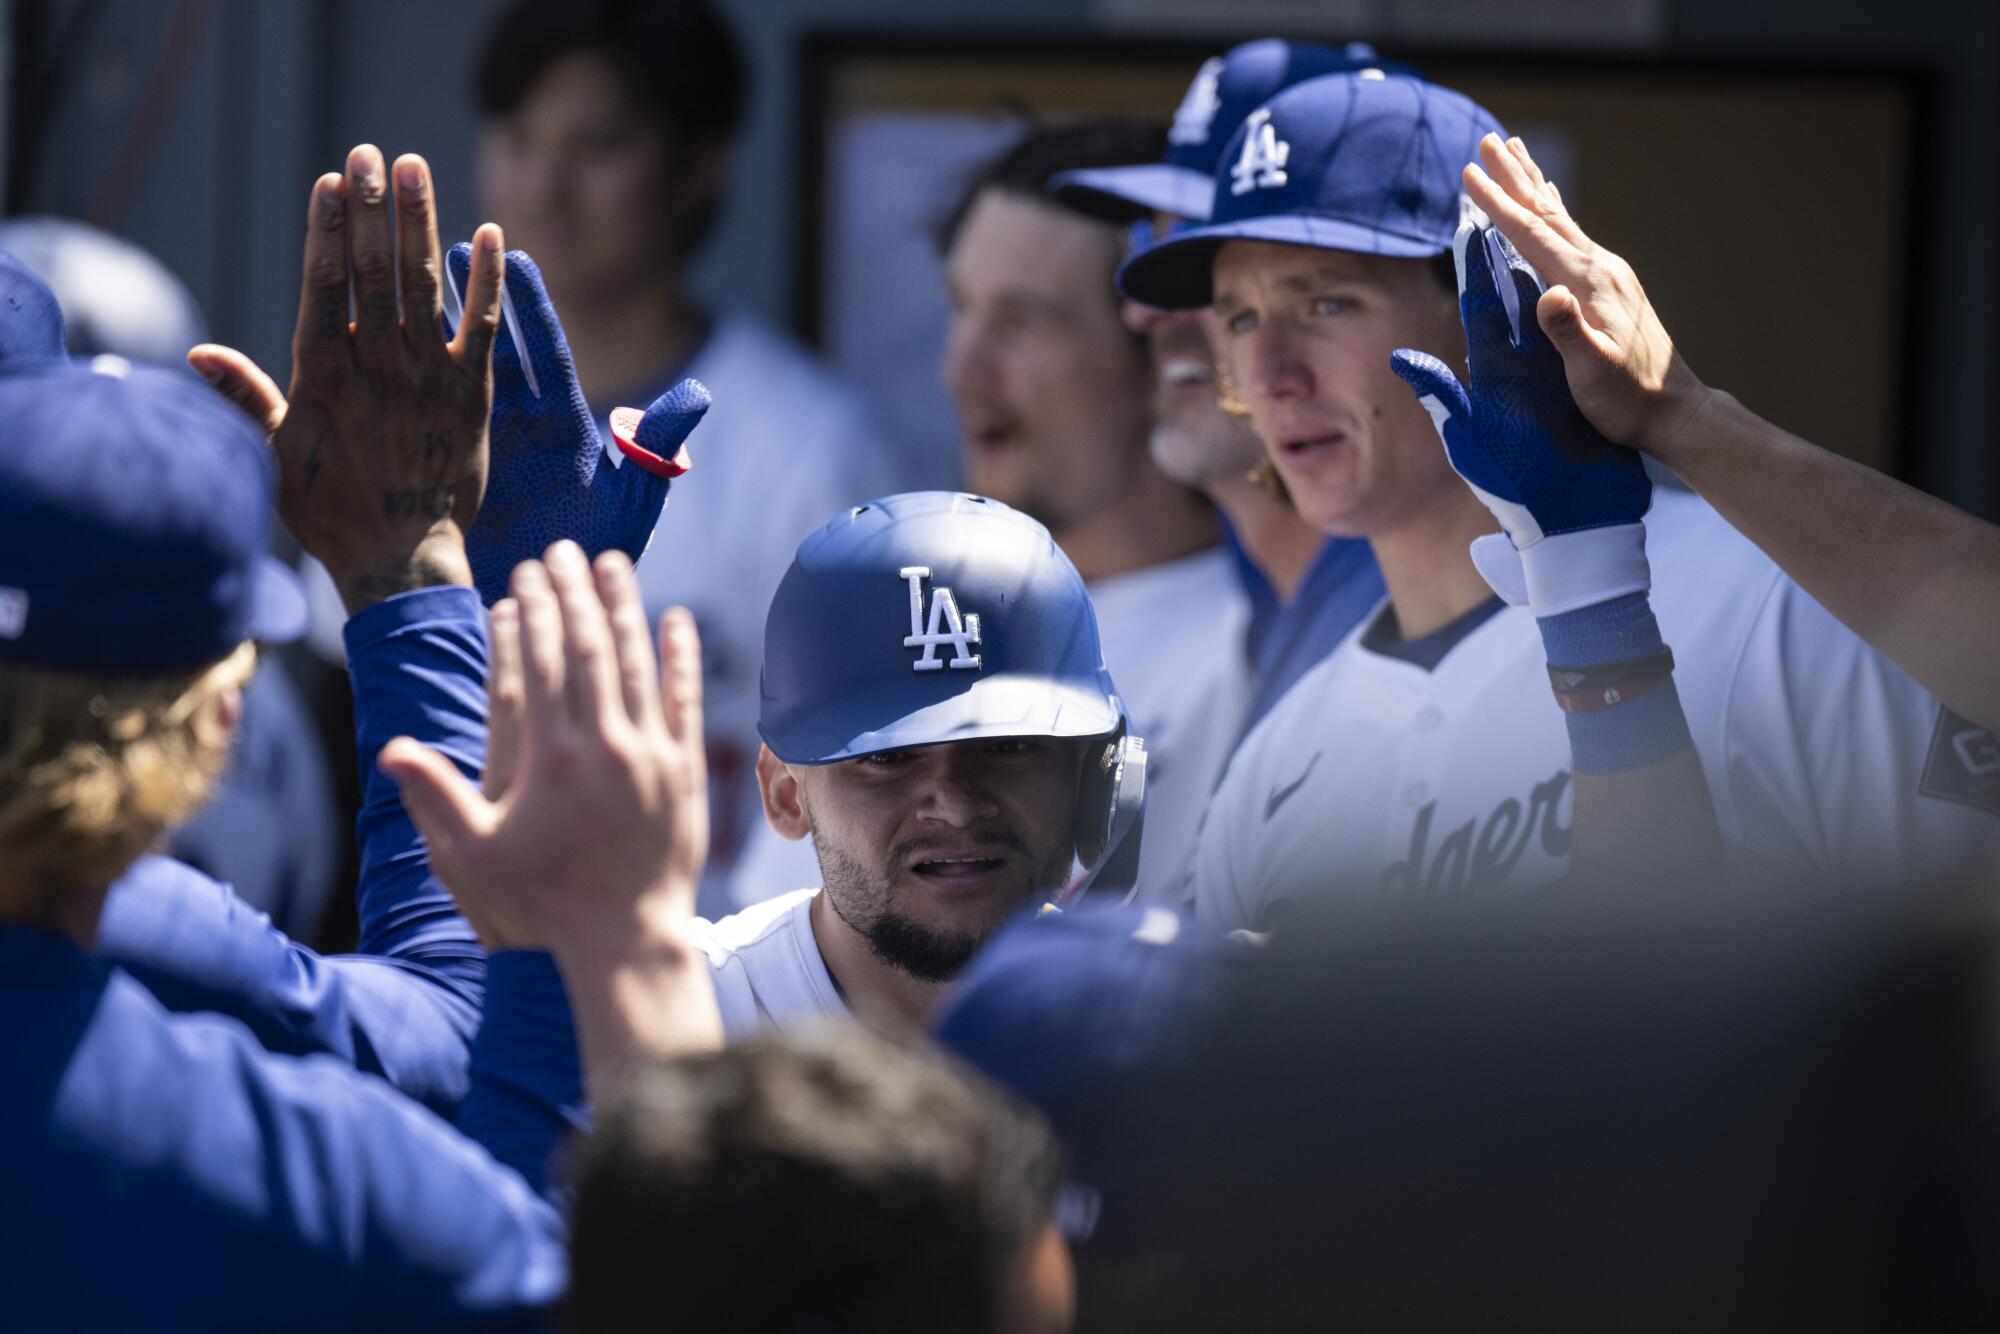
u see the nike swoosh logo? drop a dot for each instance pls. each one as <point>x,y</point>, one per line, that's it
<point>1280,795</point>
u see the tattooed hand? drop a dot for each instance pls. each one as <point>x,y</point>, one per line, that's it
<point>381,444</point>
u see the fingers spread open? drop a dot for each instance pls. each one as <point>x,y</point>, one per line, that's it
<point>680,678</point>
<point>417,251</point>
<point>542,711</point>
<point>241,381</point>
<point>590,671</point>
<point>319,342</point>
<point>370,247</point>
<point>503,699</point>
<point>473,346</point>
<point>633,644</point>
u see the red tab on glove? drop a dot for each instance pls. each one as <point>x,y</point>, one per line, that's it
<point>625,430</point>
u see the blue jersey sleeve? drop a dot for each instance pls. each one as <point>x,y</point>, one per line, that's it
<point>418,665</point>
<point>527,1075</point>
<point>184,1178</point>
<point>407,1006</point>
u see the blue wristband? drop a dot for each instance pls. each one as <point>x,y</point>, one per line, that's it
<point>1640,732</point>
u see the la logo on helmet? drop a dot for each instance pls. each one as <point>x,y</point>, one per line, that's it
<point>1196,113</point>
<point>944,626</point>
<point>1262,162</point>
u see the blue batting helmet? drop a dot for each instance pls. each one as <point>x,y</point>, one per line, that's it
<point>933,617</point>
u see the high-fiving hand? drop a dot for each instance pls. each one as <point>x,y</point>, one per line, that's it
<point>1622,367</point>
<point>382,439</point>
<point>594,822</point>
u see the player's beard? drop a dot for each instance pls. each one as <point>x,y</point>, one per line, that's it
<point>865,899</point>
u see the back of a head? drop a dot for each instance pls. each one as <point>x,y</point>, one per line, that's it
<point>133,506</point>
<point>820,1180</point>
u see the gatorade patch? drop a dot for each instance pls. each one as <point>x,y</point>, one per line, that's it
<point>1964,763</point>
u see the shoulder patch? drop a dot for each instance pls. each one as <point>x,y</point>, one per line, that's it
<point>1963,764</point>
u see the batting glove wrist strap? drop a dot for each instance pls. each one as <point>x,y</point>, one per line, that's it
<point>1566,571</point>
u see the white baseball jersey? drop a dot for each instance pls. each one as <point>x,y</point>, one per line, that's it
<point>1173,638</point>
<point>1374,774</point>
<point>767,966</point>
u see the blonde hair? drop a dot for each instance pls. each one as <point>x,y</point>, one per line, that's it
<point>95,768</point>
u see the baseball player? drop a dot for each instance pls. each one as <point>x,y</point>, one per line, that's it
<point>182,1176</point>
<point>1305,590</point>
<point>938,717</point>
<point>1052,397</point>
<point>1424,756</point>
<point>271,828</point>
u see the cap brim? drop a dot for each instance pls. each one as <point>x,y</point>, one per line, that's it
<point>1120,192</point>
<point>278,611</point>
<point>1176,273</point>
<point>998,706</point>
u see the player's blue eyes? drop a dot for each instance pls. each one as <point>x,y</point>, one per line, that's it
<point>1331,305</point>
<point>1241,323</point>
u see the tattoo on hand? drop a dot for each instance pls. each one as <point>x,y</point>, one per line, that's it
<point>437,444</point>
<point>433,502</point>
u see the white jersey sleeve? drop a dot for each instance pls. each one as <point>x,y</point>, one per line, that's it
<point>1834,759</point>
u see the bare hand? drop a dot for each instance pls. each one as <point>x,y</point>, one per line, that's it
<point>1622,367</point>
<point>598,827</point>
<point>381,447</point>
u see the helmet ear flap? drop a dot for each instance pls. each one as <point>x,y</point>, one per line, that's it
<point>1111,800</point>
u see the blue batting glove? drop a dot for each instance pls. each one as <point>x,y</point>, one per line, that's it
<point>1568,500</point>
<point>546,480</point>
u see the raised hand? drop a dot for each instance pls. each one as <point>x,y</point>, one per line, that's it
<point>548,478</point>
<point>1622,367</point>
<point>600,819</point>
<point>382,438</point>
<point>1569,502</point>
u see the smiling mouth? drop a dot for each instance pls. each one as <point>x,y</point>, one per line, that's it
<point>1185,373</point>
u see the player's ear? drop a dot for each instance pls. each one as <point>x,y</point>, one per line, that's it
<point>784,798</point>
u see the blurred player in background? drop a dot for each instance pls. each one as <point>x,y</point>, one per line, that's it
<point>1306,590</point>
<point>607,130</point>
<point>1422,756</point>
<point>272,828</point>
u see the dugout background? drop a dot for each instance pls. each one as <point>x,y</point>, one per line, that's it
<point>1806,184</point>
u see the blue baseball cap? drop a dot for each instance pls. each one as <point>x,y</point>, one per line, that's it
<point>134,503</point>
<point>1225,90</point>
<point>31,320</point>
<point>1097,1017</point>
<point>1368,162</point>
<point>925,618</point>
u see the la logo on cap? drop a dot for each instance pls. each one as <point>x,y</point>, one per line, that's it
<point>1196,113</point>
<point>944,626</point>
<point>1262,162</point>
